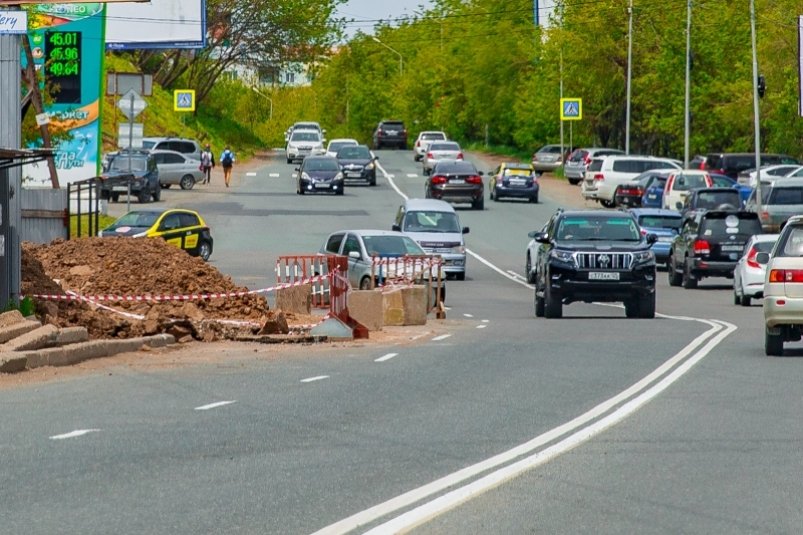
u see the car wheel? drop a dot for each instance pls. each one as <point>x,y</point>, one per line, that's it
<point>143,196</point>
<point>688,281</point>
<point>479,204</point>
<point>528,270</point>
<point>607,203</point>
<point>539,306</point>
<point>205,250</point>
<point>534,199</point>
<point>157,195</point>
<point>736,299</point>
<point>632,308</point>
<point>365,283</point>
<point>115,197</point>
<point>289,160</point>
<point>553,308</point>
<point>187,182</point>
<point>773,343</point>
<point>341,191</point>
<point>574,181</point>
<point>461,276</point>
<point>675,278</point>
<point>646,307</point>
<point>745,300</point>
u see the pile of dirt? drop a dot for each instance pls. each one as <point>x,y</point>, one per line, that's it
<point>139,267</point>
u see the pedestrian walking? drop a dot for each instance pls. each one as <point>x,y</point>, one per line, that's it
<point>227,161</point>
<point>207,163</point>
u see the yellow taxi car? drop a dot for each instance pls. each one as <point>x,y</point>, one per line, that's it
<point>183,228</point>
<point>516,180</point>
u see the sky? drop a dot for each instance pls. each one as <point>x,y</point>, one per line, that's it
<point>366,12</point>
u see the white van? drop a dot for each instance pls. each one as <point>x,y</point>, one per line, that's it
<point>435,226</point>
<point>605,173</point>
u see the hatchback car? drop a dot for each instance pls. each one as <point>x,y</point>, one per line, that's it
<point>358,163</point>
<point>319,173</point>
<point>185,229</point>
<point>390,134</point>
<point>304,143</point>
<point>548,158</point>
<point>749,275</point>
<point>456,181</point>
<point>176,168</point>
<point>577,162</point>
<point>424,139</point>
<point>680,183</point>
<point>337,144</point>
<point>514,180</point>
<point>440,150</point>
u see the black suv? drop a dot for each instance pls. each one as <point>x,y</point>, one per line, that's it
<point>732,163</point>
<point>390,134</point>
<point>709,245</point>
<point>594,255</point>
<point>136,170</point>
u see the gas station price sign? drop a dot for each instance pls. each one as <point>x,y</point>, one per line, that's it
<point>63,64</point>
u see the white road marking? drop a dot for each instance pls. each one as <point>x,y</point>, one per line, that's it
<point>469,315</point>
<point>316,378</point>
<point>386,357</point>
<point>214,405</point>
<point>73,434</point>
<point>274,175</point>
<point>482,326</point>
<point>251,174</point>
<point>441,337</point>
<point>486,321</point>
<point>582,428</point>
<point>411,175</point>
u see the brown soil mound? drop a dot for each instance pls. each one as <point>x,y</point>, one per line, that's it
<point>136,267</point>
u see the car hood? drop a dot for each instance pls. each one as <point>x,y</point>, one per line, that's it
<point>322,175</point>
<point>436,239</point>
<point>660,231</point>
<point>123,231</point>
<point>602,247</point>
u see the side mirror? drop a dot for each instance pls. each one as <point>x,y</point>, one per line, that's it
<point>651,238</point>
<point>397,228</point>
<point>679,205</point>
<point>541,237</point>
<point>763,258</point>
<point>465,230</point>
<point>355,255</point>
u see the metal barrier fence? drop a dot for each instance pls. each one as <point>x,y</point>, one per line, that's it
<point>292,268</point>
<point>412,269</point>
<point>87,202</point>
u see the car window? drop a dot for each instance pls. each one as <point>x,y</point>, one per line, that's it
<point>719,225</point>
<point>170,222</point>
<point>598,228</point>
<point>352,244</point>
<point>173,158</point>
<point>136,219</point>
<point>354,153</point>
<point>333,243</point>
<point>552,149</point>
<point>792,242</point>
<point>148,144</point>
<point>188,220</point>
<point>444,146</point>
<point>120,163</point>
<point>738,163</point>
<point>320,164</point>
<point>786,196</point>
<point>714,199</point>
<point>687,182</point>
<point>458,167</point>
<point>335,146</point>
<point>305,136</point>
<point>159,157</point>
<point>595,165</point>
<point>660,221</point>
<point>393,126</point>
<point>626,166</point>
<point>427,221</point>
<point>391,245</point>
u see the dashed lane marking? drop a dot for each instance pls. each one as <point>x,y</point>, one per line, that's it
<point>441,337</point>
<point>386,357</point>
<point>482,326</point>
<point>74,434</point>
<point>486,321</point>
<point>411,175</point>
<point>469,315</point>
<point>313,379</point>
<point>214,405</point>
<point>251,173</point>
<point>274,175</point>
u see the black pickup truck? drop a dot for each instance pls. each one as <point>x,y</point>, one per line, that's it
<point>136,170</point>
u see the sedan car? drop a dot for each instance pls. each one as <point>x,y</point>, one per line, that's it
<point>185,229</point>
<point>177,168</point>
<point>516,180</point>
<point>358,163</point>
<point>440,150</point>
<point>337,144</point>
<point>319,173</point>
<point>456,181</point>
<point>748,277</point>
<point>548,158</point>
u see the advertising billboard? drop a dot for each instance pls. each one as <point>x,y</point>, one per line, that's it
<point>156,24</point>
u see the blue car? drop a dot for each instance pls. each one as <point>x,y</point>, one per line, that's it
<point>664,224</point>
<point>652,184</point>
<point>724,181</point>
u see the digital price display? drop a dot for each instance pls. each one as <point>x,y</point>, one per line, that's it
<point>63,65</point>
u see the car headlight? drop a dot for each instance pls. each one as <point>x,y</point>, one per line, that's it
<point>304,176</point>
<point>563,256</point>
<point>370,166</point>
<point>140,235</point>
<point>339,176</point>
<point>459,249</point>
<point>643,256</point>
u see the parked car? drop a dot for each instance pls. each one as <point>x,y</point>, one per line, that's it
<point>336,144</point>
<point>749,275</point>
<point>748,176</point>
<point>594,255</point>
<point>176,168</point>
<point>628,194</point>
<point>780,199</point>
<point>724,181</point>
<point>319,173</point>
<point>515,180</point>
<point>305,125</point>
<point>434,225</point>
<point>440,150</point>
<point>733,163</point>
<point>304,143</point>
<point>423,140</point>
<point>680,183</point>
<point>711,199</point>
<point>189,147</point>
<point>358,163</point>
<point>548,158</point>
<point>605,173</point>
<point>664,224</point>
<point>183,228</point>
<point>578,161</point>
<point>709,245</point>
<point>652,184</point>
<point>390,134</point>
<point>456,181</point>
<point>783,288</point>
<point>133,173</point>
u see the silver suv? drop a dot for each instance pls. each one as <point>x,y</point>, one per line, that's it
<point>188,147</point>
<point>578,160</point>
<point>780,199</point>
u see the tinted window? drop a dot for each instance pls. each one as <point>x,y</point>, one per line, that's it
<point>393,126</point>
<point>791,242</point>
<point>553,149</point>
<point>305,136</point>
<point>578,155</point>
<point>188,220</point>
<point>352,244</point>
<point>660,221</point>
<point>598,228</point>
<point>423,221</point>
<point>391,246</point>
<point>738,163</point>
<point>715,199</point>
<point>333,244</point>
<point>456,168</point>
<point>444,146</point>
<point>786,196</point>
<point>320,164</point>
<point>720,225</point>
<point>170,222</point>
<point>647,165</point>
<point>173,158</point>
<point>120,163</point>
<point>627,166</point>
<point>595,165</point>
<point>335,146</point>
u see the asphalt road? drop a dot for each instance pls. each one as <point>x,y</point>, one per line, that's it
<point>510,424</point>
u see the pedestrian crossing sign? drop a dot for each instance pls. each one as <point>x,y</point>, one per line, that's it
<point>184,100</point>
<point>571,109</point>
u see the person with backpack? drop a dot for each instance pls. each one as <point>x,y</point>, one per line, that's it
<point>227,161</point>
<point>207,163</point>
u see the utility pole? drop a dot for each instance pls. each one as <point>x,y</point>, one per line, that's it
<point>686,115</point>
<point>561,77</point>
<point>629,74</point>
<point>755,102</point>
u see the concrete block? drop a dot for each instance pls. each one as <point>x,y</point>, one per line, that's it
<point>71,335</point>
<point>9,332</point>
<point>405,306</point>
<point>365,306</point>
<point>333,329</point>
<point>12,362</point>
<point>79,352</point>
<point>10,318</point>
<point>296,300</point>
<point>41,337</point>
<point>393,307</point>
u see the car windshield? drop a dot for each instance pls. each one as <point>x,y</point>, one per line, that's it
<point>721,224</point>
<point>335,146</point>
<point>136,219</point>
<point>148,144</point>
<point>304,136</point>
<point>120,163</point>
<point>321,164</point>
<point>660,221</point>
<point>553,149</point>
<point>687,182</point>
<point>444,146</point>
<point>424,221</point>
<point>354,153</point>
<point>598,229</point>
<point>433,136</point>
<point>457,167</point>
<point>722,181</point>
<point>391,245</point>
<point>518,171</point>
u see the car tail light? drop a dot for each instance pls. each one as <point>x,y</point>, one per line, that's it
<point>751,258</point>
<point>599,176</point>
<point>418,143</point>
<point>702,247</point>
<point>786,275</point>
<point>459,156</point>
<point>630,191</point>
<point>429,155</point>
<point>702,165</point>
<point>439,179</point>
<point>587,160</point>
<point>474,179</point>
<point>764,216</point>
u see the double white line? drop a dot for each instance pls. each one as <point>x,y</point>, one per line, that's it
<point>541,449</point>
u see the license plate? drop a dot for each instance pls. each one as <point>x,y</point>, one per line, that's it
<point>651,196</point>
<point>603,276</point>
<point>517,181</point>
<point>120,188</point>
<point>457,181</point>
<point>353,173</point>
<point>321,185</point>
<point>732,247</point>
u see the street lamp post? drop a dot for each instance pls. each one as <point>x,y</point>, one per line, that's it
<point>401,59</point>
<point>258,92</point>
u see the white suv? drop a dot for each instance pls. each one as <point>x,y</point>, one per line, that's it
<point>783,288</point>
<point>605,173</point>
<point>302,143</point>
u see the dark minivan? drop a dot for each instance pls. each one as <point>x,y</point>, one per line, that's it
<point>732,163</point>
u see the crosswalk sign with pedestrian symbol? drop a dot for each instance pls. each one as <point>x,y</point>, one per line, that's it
<point>571,109</point>
<point>184,100</point>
